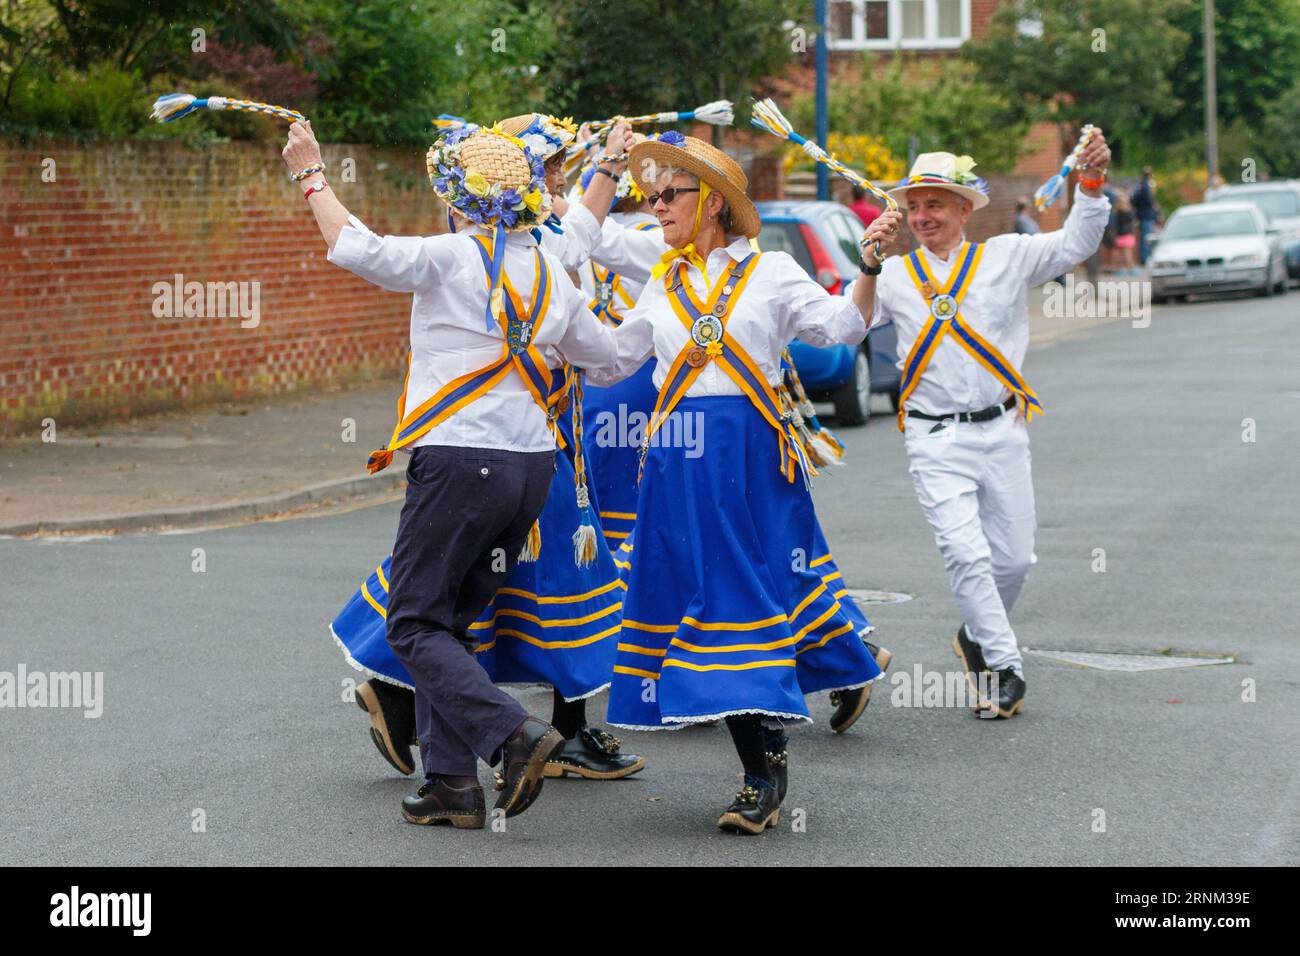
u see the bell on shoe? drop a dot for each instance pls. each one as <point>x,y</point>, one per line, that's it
<point>437,803</point>
<point>757,807</point>
<point>593,754</point>
<point>392,721</point>
<point>849,704</point>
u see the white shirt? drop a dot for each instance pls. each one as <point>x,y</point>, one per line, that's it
<point>573,246</point>
<point>449,334</point>
<point>994,305</point>
<point>627,251</point>
<point>779,303</point>
<point>612,246</point>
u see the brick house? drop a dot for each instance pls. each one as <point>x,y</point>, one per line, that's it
<point>928,28</point>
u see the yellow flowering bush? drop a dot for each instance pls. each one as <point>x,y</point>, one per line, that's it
<point>865,154</point>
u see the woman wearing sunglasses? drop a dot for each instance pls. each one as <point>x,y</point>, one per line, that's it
<point>726,613</point>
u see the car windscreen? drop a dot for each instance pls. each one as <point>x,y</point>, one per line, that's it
<point>1273,203</point>
<point>786,237</point>
<point>1211,225</point>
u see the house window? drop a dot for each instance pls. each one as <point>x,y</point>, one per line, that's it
<point>905,24</point>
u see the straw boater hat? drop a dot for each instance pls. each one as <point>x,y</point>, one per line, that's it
<point>946,171</point>
<point>489,177</point>
<point>543,135</point>
<point>697,157</point>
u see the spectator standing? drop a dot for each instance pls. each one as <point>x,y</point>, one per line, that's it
<point>1147,212</point>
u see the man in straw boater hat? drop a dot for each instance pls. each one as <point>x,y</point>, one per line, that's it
<point>963,330</point>
<point>725,617</point>
<point>555,620</point>
<point>475,416</point>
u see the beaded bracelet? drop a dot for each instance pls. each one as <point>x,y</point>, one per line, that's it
<point>306,171</point>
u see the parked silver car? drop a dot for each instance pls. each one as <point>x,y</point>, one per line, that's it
<point>1217,247</point>
<point>1279,201</point>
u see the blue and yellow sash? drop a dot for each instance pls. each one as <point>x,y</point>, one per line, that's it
<point>520,355</point>
<point>944,318</point>
<point>733,360</point>
<point>602,306</point>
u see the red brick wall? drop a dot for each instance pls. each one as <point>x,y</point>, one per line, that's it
<point>78,337</point>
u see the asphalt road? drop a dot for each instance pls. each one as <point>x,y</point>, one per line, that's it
<point>223,691</point>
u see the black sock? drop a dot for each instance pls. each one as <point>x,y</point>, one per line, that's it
<point>747,735</point>
<point>568,716</point>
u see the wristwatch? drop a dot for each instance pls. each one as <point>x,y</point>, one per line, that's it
<point>867,270</point>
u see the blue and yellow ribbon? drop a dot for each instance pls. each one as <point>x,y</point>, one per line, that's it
<point>939,325</point>
<point>523,358</point>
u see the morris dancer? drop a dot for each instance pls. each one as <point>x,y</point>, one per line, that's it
<point>544,598</point>
<point>963,329</point>
<point>722,619</point>
<point>627,245</point>
<point>554,621</point>
<point>477,481</point>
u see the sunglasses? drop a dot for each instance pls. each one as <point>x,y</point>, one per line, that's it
<point>669,194</point>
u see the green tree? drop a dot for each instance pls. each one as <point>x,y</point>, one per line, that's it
<point>642,56</point>
<point>1278,142</point>
<point>939,101</point>
<point>1257,54</point>
<point>386,68</point>
<point>1107,62</point>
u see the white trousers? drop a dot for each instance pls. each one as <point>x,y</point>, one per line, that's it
<point>973,482</point>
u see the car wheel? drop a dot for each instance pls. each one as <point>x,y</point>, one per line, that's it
<point>853,398</point>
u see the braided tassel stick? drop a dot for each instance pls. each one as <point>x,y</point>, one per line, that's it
<point>767,116</point>
<point>175,105</point>
<point>717,113</point>
<point>1051,190</point>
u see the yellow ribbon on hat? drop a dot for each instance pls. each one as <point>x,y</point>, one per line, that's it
<point>688,251</point>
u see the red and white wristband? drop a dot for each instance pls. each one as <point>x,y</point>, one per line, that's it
<point>314,188</point>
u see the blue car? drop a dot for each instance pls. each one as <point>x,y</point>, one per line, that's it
<point>823,238</point>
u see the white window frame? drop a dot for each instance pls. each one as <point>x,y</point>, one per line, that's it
<point>859,41</point>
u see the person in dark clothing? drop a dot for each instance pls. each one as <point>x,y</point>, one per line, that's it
<point>1147,212</point>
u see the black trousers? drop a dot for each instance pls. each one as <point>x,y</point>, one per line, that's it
<point>466,517</point>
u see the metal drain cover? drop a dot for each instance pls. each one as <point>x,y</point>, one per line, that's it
<point>1128,662</point>
<point>865,596</point>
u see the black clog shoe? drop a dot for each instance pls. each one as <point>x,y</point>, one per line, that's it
<point>757,807</point>
<point>594,755</point>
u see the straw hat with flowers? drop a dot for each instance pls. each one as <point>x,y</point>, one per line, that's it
<point>491,179</point>
<point>543,135</point>
<point>714,167</point>
<point>945,171</point>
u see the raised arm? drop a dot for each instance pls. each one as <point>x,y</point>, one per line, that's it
<point>629,252</point>
<point>395,263</point>
<point>885,229</point>
<point>301,151</point>
<point>1049,254</point>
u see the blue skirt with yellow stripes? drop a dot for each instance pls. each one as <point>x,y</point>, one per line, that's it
<point>551,622</point>
<point>616,418</point>
<point>733,604</point>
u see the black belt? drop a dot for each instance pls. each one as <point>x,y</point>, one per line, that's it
<point>983,415</point>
